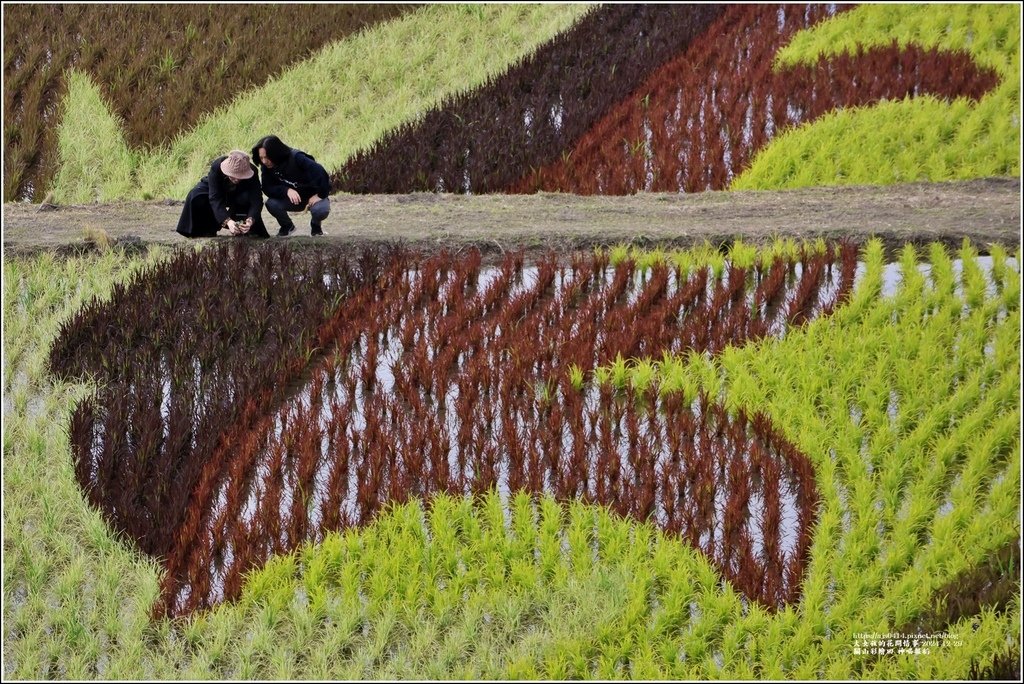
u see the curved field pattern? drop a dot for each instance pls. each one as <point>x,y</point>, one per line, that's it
<point>443,376</point>
<point>727,462</point>
<point>903,400</point>
<point>707,95</point>
<point>697,122</point>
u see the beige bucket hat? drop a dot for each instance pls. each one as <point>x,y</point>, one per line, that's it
<point>237,165</point>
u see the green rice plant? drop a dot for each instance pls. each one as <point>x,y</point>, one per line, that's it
<point>618,254</point>
<point>787,249</point>
<point>642,374</point>
<point>618,372</point>
<point>921,138</point>
<point>708,374</point>
<point>545,392</point>
<point>716,261</point>
<point>681,261</point>
<point>972,279</point>
<point>743,389</point>
<point>166,65</point>
<point>743,255</point>
<point>91,145</point>
<point>871,285</point>
<point>371,82</point>
<point>576,377</point>
<point>999,268</point>
<point>909,504</point>
<point>549,542</point>
<point>673,376</point>
<point>647,258</point>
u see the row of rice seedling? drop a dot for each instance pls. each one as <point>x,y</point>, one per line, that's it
<point>369,83</point>
<point>542,614</point>
<point>908,407</point>
<point>923,138</point>
<point>70,588</point>
<point>183,352</point>
<point>484,140</point>
<point>461,380</point>
<point>161,67</point>
<point>697,122</point>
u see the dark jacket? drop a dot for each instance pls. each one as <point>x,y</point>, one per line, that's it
<point>215,199</point>
<point>301,172</point>
<point>245,195</point>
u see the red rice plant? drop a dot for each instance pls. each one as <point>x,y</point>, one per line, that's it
<point>699,120</point>
<point>471,391</point>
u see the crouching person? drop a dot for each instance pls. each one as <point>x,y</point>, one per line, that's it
<point>292,181</point>
<point>228,197</point>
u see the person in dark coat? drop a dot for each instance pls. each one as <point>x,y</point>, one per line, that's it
<point>228,197</point>
<point>292,181</point>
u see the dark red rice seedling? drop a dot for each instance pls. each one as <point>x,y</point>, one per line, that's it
<point>471,390</point>
<point>700,119</point>
<point>608,52</point>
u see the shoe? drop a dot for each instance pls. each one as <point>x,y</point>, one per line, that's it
<point>316,230</point>
<point>286,230</point>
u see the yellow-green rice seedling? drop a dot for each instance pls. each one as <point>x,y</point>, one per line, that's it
<point>907,405</point>
<point>371,82</point>
<point>922,138</point>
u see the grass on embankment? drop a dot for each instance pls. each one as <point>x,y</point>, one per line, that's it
<point>909,502</point>
<point>337,102</point>
<point>916,139</point>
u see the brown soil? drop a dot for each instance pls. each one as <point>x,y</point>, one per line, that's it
<point>985,210</point>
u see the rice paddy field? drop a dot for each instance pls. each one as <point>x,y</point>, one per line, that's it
<point>737,491</point>
<point>761,458</point>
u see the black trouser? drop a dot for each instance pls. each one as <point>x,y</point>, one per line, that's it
<point>279,209</point>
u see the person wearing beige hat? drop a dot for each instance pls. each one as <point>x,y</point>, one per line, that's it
<point>228,197</point>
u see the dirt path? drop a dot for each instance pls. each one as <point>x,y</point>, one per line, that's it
<point>984,210</point>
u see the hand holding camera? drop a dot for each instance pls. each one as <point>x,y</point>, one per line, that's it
<point>239,227</point>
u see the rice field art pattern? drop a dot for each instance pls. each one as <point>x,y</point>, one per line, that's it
<point>320,390</point>
<point>698,122</point>
<point>332,388</point>
<point>696,114</point>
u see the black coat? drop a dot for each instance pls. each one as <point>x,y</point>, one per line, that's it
<point>215,199</point>
<point>301,172</point>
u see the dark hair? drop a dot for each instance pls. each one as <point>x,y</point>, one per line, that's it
<point>276,150</point>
